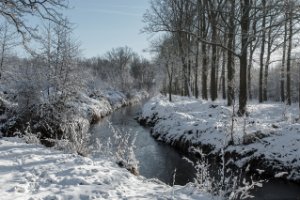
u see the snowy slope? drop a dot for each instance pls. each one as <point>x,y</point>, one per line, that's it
<point>103,103</point>
<point>270,133</point>
<point>30,171</point>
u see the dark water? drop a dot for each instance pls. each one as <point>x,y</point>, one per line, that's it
<point>158,160</point>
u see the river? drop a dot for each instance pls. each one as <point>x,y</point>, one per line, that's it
<point>159,160</point>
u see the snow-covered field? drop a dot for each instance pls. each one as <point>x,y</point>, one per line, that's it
<point>31,171</point>
<point>270,134</point>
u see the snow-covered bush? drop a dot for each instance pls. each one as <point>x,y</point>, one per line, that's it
<point>223,182</point>
<point>29,137</point>
<point>76,132</point>
<point>121,147</point>
<point>45,86</point>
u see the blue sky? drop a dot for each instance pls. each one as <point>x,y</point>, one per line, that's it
<point>101,25</point>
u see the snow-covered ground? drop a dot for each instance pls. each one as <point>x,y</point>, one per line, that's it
<point>31,171</point>
<point>270,134</point>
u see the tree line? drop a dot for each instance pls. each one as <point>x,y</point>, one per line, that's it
<point>123,69</point>
<point>221,46</point>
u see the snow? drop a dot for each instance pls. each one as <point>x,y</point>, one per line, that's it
<point>103,103</point>
<point>271,131</point>
<point>32,171</point>
<point>88,104</point>
<point>280,174</point>
<point>186,118</point>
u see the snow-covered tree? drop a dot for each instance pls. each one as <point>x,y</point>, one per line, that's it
<point>15,12</point>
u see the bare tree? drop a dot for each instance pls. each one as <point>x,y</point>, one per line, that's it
<point>173,16</point>
<point>169,57</point>
<point>48,81</point>
<point>142,72</point>
<point>120,59</point>
<point>15,12</point>
<point>8,41</point>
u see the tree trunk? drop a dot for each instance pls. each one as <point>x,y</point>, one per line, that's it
<point>262,51</point>
<point>245,9</point>
<point>266,74</point>
<point>197,48</point>
<point>196,70</point>
<point>184,67</point>
<point>212,16</point>
<point>288,63</point>
<point>170,77</point>
<point>2,57</point>
<point>282,72</point>
<point>230,58</point>
<point>299,91</point>
<point>4,46</point>
<point>223,80</point>
<point>253,45</point>
<point>249,71</point>
<point>189,78</point>
<point>218,60</point>
<point>213,84</point>
<point>170,89</point>
<point>204,58</point>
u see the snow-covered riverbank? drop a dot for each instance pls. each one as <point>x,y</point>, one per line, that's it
<point>31,171</point>
<point>84,109</point>
<point>269,138</point>
<point>100,104</point>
